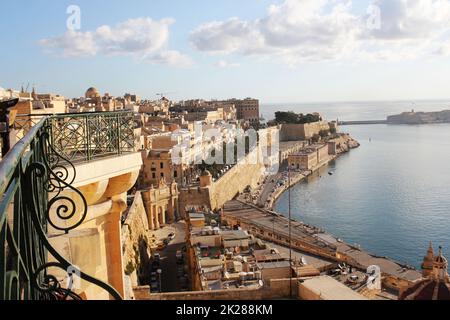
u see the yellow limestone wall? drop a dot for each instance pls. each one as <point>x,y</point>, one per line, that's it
<point>96,245</point>
<point>246,173</point>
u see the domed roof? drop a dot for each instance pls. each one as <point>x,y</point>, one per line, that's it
<point>440,259</point>
<point>428,289</point>
<point>92,93</point>
<point>436,283</point>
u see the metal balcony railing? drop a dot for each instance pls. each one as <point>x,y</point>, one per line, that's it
<point>83,137</point>
<point>33,176</point>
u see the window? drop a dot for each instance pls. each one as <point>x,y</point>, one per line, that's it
<point>154,175</point>
<point>162,174</point>
<point>161,165</point>
<point>175,174</point>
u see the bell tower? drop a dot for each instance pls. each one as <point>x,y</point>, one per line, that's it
<point>427,264</point>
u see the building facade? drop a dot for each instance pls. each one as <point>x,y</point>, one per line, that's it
<point>161,204</point>
<point>247,110</point>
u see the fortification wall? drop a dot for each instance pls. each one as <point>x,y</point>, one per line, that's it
<point>294,132</point>
<point>247,172</point>
<point>135,250</point>
<point>274,289</point>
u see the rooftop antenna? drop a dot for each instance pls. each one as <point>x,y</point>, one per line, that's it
<point>164,94</point>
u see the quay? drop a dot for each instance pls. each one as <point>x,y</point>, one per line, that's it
<point>270,226</point>
<point>270,190</point>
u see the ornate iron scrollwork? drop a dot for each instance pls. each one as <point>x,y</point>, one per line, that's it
<point>60,179</point>
<point>38,193</point>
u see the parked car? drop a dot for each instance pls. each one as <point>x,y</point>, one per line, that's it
<point>155,265</point>
<point>183,280</point>
<point>179,255</point>
<point>171,236</point>
<point>154,287</point>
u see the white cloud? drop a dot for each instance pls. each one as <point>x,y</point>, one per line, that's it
<point>226,64</point>
<point>296,31</point>
<point>143,38</point>
<point>170,57</point>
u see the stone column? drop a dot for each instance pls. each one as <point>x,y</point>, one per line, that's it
<point>163,215</point>
<point>156,217</point>
<point>171,211</point>
<point>151,224</point>
<point>113,246</point>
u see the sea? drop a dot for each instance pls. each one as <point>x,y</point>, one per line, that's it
<point>391,196</point>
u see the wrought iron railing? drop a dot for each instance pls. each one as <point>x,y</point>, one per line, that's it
<point>85,136</point>
<point>33,176</point>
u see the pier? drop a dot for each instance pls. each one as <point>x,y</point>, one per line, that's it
<point>273,227</point>
<point>362,122</point>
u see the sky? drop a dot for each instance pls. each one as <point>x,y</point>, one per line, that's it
<point>279,51</point>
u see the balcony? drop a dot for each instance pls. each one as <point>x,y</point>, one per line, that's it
<point>63,187</point>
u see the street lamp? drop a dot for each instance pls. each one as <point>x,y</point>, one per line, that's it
<point>290,231</point>
<point>159,271</point>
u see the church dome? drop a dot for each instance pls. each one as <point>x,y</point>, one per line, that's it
<point>428,289</point>
<point>440,260</point>
<point>436,283</point>
<point>92,93</point>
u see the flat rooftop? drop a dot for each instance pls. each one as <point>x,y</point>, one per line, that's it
<point>315,236</point>
<point>328,288</point>
<point>387,266</point>
<point>234,234</point>
<point>273,264</point>
<point>196,216</point>
<point>276,223</point>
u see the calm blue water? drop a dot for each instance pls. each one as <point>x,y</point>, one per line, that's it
<point>391,196</point>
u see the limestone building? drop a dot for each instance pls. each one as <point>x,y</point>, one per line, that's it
<point>161,204</point>
<point>311,157</point>
<point>40,103</point>
<point>247,110</point>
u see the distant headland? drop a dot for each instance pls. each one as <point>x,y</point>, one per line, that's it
<point>420,117</point>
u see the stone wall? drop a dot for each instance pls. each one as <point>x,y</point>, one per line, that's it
<point>143,293</point>
<point>247,172</point>
<point>294,132</point>
<point>274,289</point>
<point>196,197</point>
<point>135,249</point>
